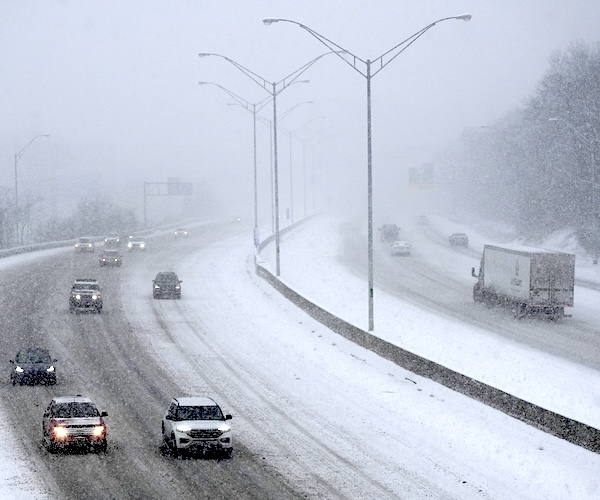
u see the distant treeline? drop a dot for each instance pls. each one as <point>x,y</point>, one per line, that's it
<point>537,167</point>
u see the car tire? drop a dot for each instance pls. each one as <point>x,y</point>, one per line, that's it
<point>175,453</point>
<point>51,447</point>
<point>227,453</point>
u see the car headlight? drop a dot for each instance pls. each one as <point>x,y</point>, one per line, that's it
<point>18,369</point>
<point>95,297</point>
<point>129,245</point>
<point>177,287</point>
<point>50,369</point>
<point>224,428</point>
<point>98,430</point>
<point>156,286</point>
<point>60,432</point>
<point>183,428</point>
<point>77,296</point>
<point>142,245</point>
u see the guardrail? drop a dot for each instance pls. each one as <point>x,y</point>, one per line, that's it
<point>573,431</point>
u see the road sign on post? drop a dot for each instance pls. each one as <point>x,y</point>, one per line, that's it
<point>422,177</point>
<point>171,188</point>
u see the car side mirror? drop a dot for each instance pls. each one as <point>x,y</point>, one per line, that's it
<point>228,417</point>
<point>55,360</point>
<point>11,361</point>
<point>104,414</point>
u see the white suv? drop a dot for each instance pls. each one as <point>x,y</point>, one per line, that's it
<point>196,423</point>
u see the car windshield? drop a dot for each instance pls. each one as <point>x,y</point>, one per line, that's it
<point>85,286</point>
<point>37,356</point>
<point>166,277</point>
<point>75,410</point>
<point>199,413</point>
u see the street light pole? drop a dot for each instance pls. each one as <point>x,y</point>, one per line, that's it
<point>252,108</point>
<point>391,54</point>
<point>18,156</point>
<point>283,115</point>
<point>272,89</point>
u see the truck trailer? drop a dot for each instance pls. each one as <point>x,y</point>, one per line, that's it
<point>530,281</point>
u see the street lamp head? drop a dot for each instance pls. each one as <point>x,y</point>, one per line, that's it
<point>204,54</point>
<point>270,20</point>
<point>464,17</point>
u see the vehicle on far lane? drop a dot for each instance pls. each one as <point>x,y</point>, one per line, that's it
<point>458,240</point>
<point>401,248</point>
<point>112,240</point>
<point>136,244</point>
<point>111,258</point>
<point>181,233</point>
<point>166,284</point>
<point>85,244</point>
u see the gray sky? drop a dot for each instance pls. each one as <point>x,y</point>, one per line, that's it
<point>115,84</point>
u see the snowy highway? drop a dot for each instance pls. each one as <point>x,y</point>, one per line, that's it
<point>314,416</point>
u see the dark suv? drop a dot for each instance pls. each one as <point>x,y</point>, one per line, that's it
<point>166,284</point>
<point>85,295</point>
<point>73,421</point>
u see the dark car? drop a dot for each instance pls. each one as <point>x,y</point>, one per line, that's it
<point>33,365</point>
<point>111,258</point>
<point>166,284</point>
<point>85,295</point>
<point>458,239</point>
<point>73,421</point>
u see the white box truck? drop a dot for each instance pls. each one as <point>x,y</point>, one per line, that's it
<point>529,280</point>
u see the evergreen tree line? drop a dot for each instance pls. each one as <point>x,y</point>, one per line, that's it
<point>537,168</point>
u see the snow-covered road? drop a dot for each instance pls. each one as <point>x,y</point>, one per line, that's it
<point>336,420</point>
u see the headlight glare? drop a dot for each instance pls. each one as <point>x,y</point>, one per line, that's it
<point>18,369</point>
<point>51,369</point>
<point>98,430</point>
<point>60,432</point>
